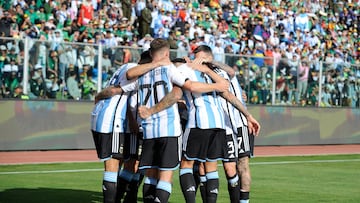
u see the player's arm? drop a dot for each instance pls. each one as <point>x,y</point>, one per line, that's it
<point>198,64</point>
<point>253,124</point>
<point>167,101</point>
<point>220,84</point>
<point>230,71</point>
<point>199,87</point>
<point>107,93</point>
<point>144,68</point>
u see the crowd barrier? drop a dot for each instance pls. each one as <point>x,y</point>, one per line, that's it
<point>267,81</point>
<point>62,125</point>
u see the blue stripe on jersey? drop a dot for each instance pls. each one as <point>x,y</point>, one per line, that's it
<point>214,113</point>
<point>102,117</point>
<point>170,111</point>
<point>119,74</point>
<point>166,122</point>
<point>109,112</point>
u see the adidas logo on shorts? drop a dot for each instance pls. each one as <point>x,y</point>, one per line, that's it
<point>214,191</point>
<point>191,189</point>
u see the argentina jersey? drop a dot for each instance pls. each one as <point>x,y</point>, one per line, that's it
<point>152,87</point>
<point>204,109</point>
<point>228,108</point>
<point>119,77</point>
<point>240,119</point>
<point>109,115</point>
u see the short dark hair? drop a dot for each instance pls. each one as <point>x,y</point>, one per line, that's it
<point>72,73</point>
<point>203,48</point>
<point>178,60</point>
<point>145,57</point>
<point>158,44</point>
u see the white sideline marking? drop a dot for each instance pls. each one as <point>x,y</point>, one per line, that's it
<point>54,171</point>
<point>257,163</point>
<point>300,162</point>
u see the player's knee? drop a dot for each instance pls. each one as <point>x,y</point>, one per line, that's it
<point>243,164</point>
<point>112,165</point>
<point>230,169</point>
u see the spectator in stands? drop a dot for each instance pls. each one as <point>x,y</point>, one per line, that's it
<point>303,74</point>
<point>318,28</point>
<point>52,86</point>
<point>37,83</point>
<point>73,87</point>
<point>53,64</point>
<point>19,93</point>
<point>86,12</point>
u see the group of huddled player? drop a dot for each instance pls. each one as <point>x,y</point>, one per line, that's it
<point>159,115</point>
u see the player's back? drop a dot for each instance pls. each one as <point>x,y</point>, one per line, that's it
<point>240,118</point>
<point>204,109</point>
<point>230,112</point>
<point>153,86</point>
<point>109,114</point>
<point>106,112</point>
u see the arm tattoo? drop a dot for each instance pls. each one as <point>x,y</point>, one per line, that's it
<point>235,102</point>
<point>165,102</point>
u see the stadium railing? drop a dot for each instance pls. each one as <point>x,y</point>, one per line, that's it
<point>265,80</point>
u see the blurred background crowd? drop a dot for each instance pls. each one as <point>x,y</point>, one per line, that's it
<point>286,52</point>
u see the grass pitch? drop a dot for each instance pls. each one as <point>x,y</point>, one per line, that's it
<point>275,179</point>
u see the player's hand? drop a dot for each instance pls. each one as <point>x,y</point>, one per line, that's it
<point>144,112</point>
<point>197,64</point>
<point>244,96</point>
<point>222,86</point>
<point>253,125</point>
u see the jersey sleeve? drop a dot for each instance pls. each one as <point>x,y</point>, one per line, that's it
<point>129,85</point>
<point>177,77</point>
<point>187,72</point>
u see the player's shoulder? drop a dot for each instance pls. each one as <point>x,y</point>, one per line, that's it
<point>129,65</point>
<point>183,67</point>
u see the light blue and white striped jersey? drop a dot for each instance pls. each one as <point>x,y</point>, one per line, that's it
<point>108,115</point>
<point>240,118</point>
<point>153,86</point>
<point>229,109</point>
<point>204,109</point>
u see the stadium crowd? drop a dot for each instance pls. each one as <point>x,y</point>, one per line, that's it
<point>301,39</point>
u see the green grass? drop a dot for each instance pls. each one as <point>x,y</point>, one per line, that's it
<point>275,179</point>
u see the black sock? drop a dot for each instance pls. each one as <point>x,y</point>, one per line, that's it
<point>109,191</point>
<point>212,186</point>
<point>234,188</point>
<point>122,187</point>
<point>149,189</point>
<point>187,183</point>
<point>196,178</point>
<point>132,193</point>
<point>244,195</point>
<point>202,186</point>
<point>163,191</point>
